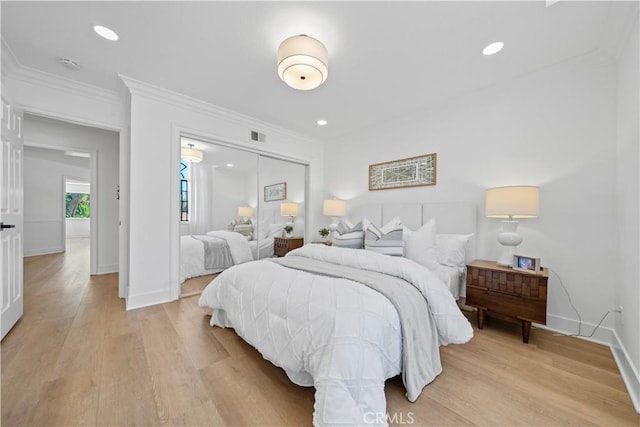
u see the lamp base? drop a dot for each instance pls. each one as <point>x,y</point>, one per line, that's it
<point>509,239</point>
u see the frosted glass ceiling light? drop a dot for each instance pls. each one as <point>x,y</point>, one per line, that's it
<point>303,62</point>
<point>190,154</point>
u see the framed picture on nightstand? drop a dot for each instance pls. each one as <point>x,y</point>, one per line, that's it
<point>526,264</point>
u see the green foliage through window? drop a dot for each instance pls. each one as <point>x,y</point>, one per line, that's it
<point>78,206</point>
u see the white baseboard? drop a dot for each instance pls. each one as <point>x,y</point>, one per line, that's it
<point>42,251</point>
<point>148,299</point>
<point>629,373</point>
<point>106,269</point>
<point>605,336</point>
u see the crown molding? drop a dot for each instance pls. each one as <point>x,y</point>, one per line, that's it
<point>14,70</point>
<point>184,101</point>
<point>9,59</point>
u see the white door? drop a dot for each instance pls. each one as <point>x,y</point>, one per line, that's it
<point>11,217</point>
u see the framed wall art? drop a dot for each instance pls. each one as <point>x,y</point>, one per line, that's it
<point>411,172</point>
<point>275,192</point>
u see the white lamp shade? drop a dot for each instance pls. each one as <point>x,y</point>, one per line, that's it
<point>289,209</point>
<point>513,202</point>
<point>245,211</point>
<point>303,62</point>
<point>334,208</point>
<point>191,155</point>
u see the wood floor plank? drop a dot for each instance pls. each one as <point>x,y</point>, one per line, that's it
<point>177,385</point>
<point>78,358</point>
<point>195,332</point>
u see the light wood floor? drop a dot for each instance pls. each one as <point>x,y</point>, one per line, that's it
<point>195,286</point>
<point>77,358</point>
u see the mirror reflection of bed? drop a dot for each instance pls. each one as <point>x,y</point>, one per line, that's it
<point>225,218</point>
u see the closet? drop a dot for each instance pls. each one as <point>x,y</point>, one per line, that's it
<point>236,189</point>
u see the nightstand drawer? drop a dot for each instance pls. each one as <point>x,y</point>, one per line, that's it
<point>507,305</point>
<point>513,283</point>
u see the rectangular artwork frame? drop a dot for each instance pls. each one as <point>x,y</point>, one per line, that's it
<point>415,171</point>
<point>275,192</point>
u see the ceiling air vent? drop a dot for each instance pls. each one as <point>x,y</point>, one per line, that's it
<point>258,136</point>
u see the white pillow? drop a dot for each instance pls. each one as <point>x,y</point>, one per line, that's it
<point>451,249</point>
<point>420,245</point>
<point>344,226</point>
<point>275,230</point>
<point>393,224</point>
<point>353,239</point>
<point>263,230</point>
<point>386,240</point>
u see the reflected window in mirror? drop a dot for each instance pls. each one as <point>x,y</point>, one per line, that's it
<point>185,172</point>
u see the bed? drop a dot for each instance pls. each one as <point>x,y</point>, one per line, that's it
<point>345,320</point>
<point>212,252</point>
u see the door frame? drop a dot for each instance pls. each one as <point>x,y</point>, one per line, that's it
<point>93,182</point>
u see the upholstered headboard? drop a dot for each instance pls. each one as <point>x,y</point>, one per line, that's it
<point>450,217</point>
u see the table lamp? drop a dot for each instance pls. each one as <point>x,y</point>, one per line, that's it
<point>335,209</point>
<point>289,209</point>
<point>511,203</point>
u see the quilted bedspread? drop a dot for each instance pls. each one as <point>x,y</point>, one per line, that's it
<point>333,333</point>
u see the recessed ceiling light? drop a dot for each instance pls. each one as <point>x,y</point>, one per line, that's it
<point>321,122</point>
<point>229,165</point>
<point>105,32</point>
<point>493,48</point>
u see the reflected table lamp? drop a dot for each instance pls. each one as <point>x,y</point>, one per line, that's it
<point>290,210</point>
<point>335,209</point>
<point>245,212</point>
<point>511,203</point>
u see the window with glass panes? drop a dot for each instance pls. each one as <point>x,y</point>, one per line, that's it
<point>184,190</point>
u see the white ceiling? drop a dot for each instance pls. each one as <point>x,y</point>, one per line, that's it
<point>386,59</point>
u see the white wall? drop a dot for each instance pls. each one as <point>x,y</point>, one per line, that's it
<point>555,129</point>
<point>158,118</point>
<point>228,191</point>
<point>44,192</point>
<point>77,227</point>
<point>41,131</point>
<point>274,171</point>
<point>627,285</point>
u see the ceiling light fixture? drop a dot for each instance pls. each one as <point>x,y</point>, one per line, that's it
<point>191,155</point>
<point>105,32</point>
<point>303,62</point>
<point>229,165</point>
<point>493,48</point>
<point>322,122</point>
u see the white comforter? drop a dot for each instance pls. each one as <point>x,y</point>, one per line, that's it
<point>338,335</point>
<point>192,253</point>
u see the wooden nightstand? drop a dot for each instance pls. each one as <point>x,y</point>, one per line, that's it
<point>282,245</point>
<point>507,294</point>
